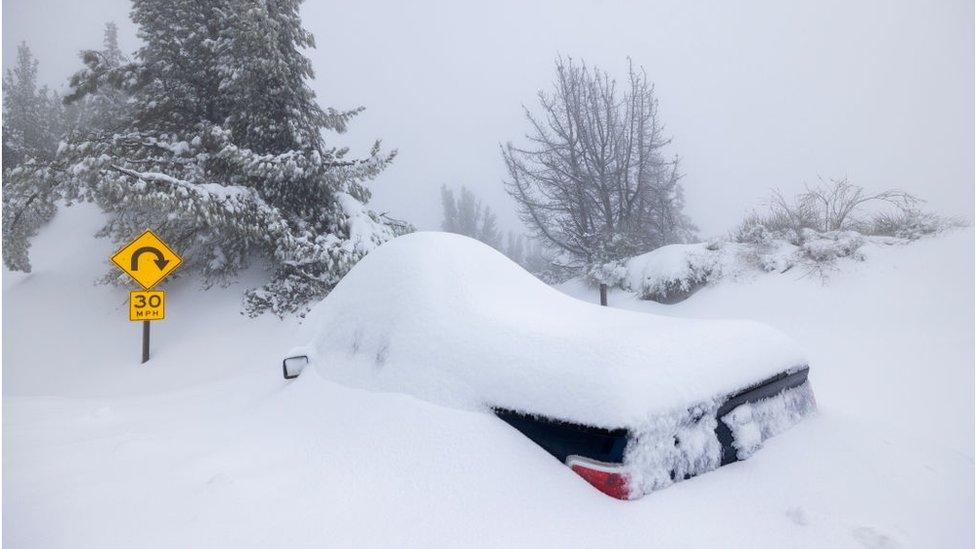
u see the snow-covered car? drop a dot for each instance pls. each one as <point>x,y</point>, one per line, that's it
<point>632,402</point>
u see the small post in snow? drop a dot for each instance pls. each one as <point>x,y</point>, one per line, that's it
<point>603,294</point>
<point>145,341</point>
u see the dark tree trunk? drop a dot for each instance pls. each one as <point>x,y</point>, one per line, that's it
<point>603,295</point>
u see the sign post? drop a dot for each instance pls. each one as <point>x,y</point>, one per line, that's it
<point>145,341</point>
<point>148,305</point>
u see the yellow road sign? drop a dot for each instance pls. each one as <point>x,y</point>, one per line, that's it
<point>150,305</point>
<point>147,259</point>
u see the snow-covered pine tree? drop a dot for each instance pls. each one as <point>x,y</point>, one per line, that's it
<point>33,120</point>
<point>28,129</point>
<point>488,232</point>
<point>225,155</point>
<point>515,249</point>
<point>449,206</point>
<point>29,194</point>
<point>104,108</point>
<point>466,215</point>
<point>469,213</point>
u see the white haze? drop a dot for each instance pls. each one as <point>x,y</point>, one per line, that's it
<point>758,95</point>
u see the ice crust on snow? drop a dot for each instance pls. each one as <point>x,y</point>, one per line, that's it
<point>451,320</point>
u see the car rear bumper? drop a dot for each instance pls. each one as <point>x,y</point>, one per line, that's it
<point>675,448</point>
<point>765,390</point>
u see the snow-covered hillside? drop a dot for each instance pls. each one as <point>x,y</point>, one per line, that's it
<point>206,446</point>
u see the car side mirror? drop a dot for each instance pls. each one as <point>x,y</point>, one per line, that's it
<point>292,366</point>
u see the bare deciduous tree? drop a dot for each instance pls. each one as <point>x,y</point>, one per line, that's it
<point>594,182</point>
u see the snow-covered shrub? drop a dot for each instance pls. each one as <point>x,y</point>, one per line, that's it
<point>834,205</point>
<point>671,273</point>
<point>778,256</point>
<point>781,222</point>
<point>911,224</point>
<point>826,247</point>
<point>612,274</point>
<point>761,248</point>
<point>753,231</point>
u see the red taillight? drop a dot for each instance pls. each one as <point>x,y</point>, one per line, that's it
<point>606,478</point>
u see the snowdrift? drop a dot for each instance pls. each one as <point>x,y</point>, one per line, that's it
<point>451,320</point>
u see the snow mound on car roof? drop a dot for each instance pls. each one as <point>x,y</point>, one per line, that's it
<point>451,320</point>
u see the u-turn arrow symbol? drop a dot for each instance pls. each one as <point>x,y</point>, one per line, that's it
<point>160,260</point>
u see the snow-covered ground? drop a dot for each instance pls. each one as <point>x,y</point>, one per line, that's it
<point>208,447</point>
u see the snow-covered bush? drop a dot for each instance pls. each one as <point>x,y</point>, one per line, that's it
<point>911,224</point>
<point>826,247</point>
<point>834,205</point>
<point>815,229</point>
<point>612,273</point>
<point>762,249</point>
<point>671,273</point>
<point>780,222</point>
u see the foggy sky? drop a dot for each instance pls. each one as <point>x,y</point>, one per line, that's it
<point>759,95</point>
